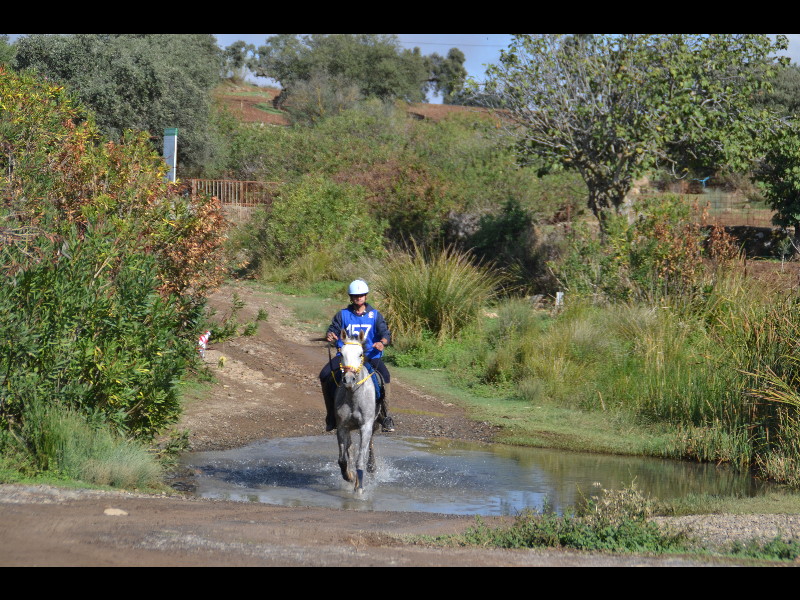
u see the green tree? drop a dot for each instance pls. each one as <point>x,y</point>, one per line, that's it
<point>784,97</point>
<point>375,62</point>
<point>147,82</point>
<point>236,58</point>
<point>321,96</point>
<point>614,106</point>
<point>778,176</point>
<point>6,49</point>
<point>448,74</point>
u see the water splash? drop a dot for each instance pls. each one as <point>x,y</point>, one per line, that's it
<point>422,475</point>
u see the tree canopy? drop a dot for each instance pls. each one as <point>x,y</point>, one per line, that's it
<point>376,63</point>
<point>614,106</point>
<point>147,82</point>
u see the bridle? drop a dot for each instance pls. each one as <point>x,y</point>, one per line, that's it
<point>356,370</point>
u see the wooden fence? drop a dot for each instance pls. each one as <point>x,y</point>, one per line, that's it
<point>238,198</point>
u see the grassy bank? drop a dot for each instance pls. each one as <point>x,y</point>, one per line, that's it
<point>708,378</point>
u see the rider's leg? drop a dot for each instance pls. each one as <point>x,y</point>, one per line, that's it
<point>328,394</point>
<point>387,423</point>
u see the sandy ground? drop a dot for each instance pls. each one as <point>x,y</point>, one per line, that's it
<point>267,387</point>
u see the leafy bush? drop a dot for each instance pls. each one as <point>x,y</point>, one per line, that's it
<point>82,322</point>
<point>320,96</point>
<point>618,525</point>
<point>775,549</point>
<point>58,173</point>
<point>318,215</point>
<point>658,255</point>
<point>508,239</point>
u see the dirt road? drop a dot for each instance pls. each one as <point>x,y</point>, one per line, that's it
<point>266,387</point>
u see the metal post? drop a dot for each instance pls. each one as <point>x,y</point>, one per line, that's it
<point>171,151</point>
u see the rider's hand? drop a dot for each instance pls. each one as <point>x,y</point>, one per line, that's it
<point>332,337</point>
<point>378,346</point>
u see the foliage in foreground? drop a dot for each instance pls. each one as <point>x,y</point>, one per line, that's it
<point>105,272</point>
<point>60,441</point>
<point>83,323</point>
<point>616,523</point>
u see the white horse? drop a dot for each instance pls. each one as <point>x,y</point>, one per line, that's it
<point>355,409</point>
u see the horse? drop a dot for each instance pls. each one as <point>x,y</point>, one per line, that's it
<point>355,409</point>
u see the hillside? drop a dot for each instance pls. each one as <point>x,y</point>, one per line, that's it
<point>253,104</point>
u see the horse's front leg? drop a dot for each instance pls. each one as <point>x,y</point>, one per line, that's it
<point>343,436</point>
<point>364,450</point>
<point>371,460</point>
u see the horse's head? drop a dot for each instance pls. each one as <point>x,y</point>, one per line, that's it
<point>352,357</point>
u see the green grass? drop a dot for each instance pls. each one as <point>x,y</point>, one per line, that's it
<point>59,443</point>
<point>773,503</point>
<point>268,108</point>
<point>542,425</point>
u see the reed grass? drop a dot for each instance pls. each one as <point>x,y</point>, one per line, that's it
<point>439,292</point>
<point>721,371</point>
<point>59,440</point>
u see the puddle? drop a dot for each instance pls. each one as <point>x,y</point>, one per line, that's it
<point>423,475</point>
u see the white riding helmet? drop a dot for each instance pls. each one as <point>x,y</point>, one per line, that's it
<point>358,287</point>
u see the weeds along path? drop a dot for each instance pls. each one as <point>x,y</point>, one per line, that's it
<point>267,384</point>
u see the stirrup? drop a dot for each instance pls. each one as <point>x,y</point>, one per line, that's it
<point>387,425</point>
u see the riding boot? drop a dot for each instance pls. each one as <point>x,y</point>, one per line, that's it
<point>330,412</point>
<point>387,423</point>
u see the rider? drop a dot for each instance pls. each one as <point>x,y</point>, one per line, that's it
<point>358,316</point>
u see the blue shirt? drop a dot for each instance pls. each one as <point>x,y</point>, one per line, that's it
<point>371,322</point>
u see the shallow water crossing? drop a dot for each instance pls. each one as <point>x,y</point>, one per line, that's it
<point>423,475</point>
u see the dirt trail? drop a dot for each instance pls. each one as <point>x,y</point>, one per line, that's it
<point>266,387</point>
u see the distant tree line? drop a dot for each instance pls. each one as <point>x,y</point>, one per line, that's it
<point>150,82</point>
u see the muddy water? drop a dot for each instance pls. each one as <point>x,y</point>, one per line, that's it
<point>422,475</point>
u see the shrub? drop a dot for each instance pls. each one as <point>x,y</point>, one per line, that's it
<point>619,525</point>
<point>658,255</point>
<point>317,214</point>
<point>438,292</point>
<point>81,322</point>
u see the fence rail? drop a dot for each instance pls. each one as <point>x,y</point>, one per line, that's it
<point>238,198</point>
<point>732,208</point>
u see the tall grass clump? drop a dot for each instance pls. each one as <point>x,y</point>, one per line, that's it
<point>60,440</point>
<point>438,293</point>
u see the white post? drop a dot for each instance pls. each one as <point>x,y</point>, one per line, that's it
<point>171,151</point>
